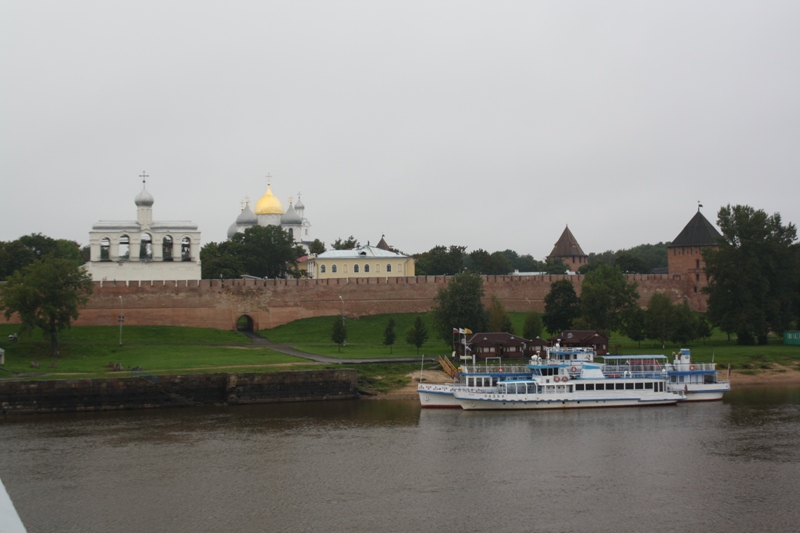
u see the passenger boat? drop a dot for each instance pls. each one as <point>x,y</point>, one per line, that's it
<point>478,377</point>
<point>568,386</point>
<point>484,376</point>
<point>699,381</point>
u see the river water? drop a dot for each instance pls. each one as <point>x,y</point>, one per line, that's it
<point>385,466</point>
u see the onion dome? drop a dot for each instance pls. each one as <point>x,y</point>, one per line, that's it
<point>232,229</point>
<point>269,204</point>
<point>291,217</point>
<point>299,205</point>
<point>144,199</point>
<point>247,217</point>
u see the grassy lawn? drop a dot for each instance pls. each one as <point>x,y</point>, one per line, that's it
<point>364,337</point>
<point>87,351</point>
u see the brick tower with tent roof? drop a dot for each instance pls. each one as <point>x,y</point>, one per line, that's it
<point>569,251</point>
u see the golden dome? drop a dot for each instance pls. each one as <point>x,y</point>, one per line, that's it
<point>269,204</point>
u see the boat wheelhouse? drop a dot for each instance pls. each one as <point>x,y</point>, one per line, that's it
<point>699,381</point>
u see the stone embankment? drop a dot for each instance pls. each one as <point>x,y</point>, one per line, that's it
<point>149,391</point>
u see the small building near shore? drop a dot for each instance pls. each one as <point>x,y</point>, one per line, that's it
<point>362,262</point>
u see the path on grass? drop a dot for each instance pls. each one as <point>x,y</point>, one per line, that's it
<point>258,340</point>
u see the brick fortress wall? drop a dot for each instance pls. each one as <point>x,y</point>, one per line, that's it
<point>219,303</point>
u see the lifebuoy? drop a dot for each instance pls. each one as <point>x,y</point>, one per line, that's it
<point>556,379</point>
<point>691,367</point>
<point>500,369</point>
<point>573,369</point>
<point>565,379</point>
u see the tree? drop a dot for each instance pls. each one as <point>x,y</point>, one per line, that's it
<point>459,306</point>
<point>317,247</point>
<point>752,287</point>
<point>634,322</point>
<point>631,264</point>
<point>417,334</point>
<point>555,266</point>
<point>389,335</point>
<point>347,244</point>
<point>20,253</point>
<point>605,294</point>
<point>48,295</point>
<point>222,260</point>
<point>499,319</point>
<point>660,318</point>
<point>339,332</point>
<point>533,325</point>
<point>561,306</point>
<point>685,324</point>
<point>261,251</point>
<point>440,261</point>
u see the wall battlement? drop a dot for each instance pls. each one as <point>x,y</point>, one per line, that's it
<point>218,303</point>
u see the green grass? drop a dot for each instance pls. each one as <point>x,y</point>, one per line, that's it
<point>364,337</point>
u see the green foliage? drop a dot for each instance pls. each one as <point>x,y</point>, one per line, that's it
<point>15,255</point>
<point>634,320</point>
<point>440,261</point>
<point>641,259</point>
<point>499,319</point>
<point>631,264</point>
<point>485,263</point>
<point>533,325</point>
<point>417,334</point>
<point>605,294</point>
<point>660,318</point>
<point>459,306</point>
<point>753,274</point>
<point>561,306</point>
<point>47,294</point>
<point>346,244</point>
<point>339,332</point>
<point>261,251</point>
<point>389,334</point>
<point>317,247</point>
<point>555,266</point>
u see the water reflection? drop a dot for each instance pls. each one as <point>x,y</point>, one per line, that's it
<point>388,466</point>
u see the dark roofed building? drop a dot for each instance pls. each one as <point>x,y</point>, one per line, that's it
<point>500,344</point>
<point>569,251</point>
<point>577,338</point>
<point>685,253</point>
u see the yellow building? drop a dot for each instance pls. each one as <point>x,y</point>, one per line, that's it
<point>363,262</point>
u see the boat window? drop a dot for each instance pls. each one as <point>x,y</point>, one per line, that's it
<point>579,386</point>
<point>648,385</point>
<point>639,385</point>
<point>674,379</point>
<point>590,386</point>
<point>620,386</point>
<point>629,386</point>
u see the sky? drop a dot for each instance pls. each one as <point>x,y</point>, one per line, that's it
<point>487,124</point>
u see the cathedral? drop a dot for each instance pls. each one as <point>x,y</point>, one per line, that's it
<point>269,212</point>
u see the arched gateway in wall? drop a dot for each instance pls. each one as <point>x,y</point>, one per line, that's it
<point>244,323</point>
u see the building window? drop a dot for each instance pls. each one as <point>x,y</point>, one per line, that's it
<point>186,249</point>
<point>377,268</point>
<point>322,269</point>
<point>388,267</point>
<point>333,269</point>
<point>146,247</point>
<point>697,263</point>
<point>366,269</point>
<point>124,248</point>
<point>355,269</point>
<point>166,248</point>
<point>345,268</point>
<point>105,247</point>
<point>399,267</point>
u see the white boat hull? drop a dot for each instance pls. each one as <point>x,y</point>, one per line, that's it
<point>437,395</point>
<point>697,392</point>
<point>560,401</point>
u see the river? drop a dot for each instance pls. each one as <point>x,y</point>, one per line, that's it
<point>386,466</point>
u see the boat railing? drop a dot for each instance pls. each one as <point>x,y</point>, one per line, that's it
<point>686,367</point>
<point>496,369</point>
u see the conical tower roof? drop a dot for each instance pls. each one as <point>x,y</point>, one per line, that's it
<point>383,245</point>
<point>567,246</point>
<point>698,232</point>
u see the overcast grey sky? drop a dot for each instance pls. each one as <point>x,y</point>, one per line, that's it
<point>488,124</point>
